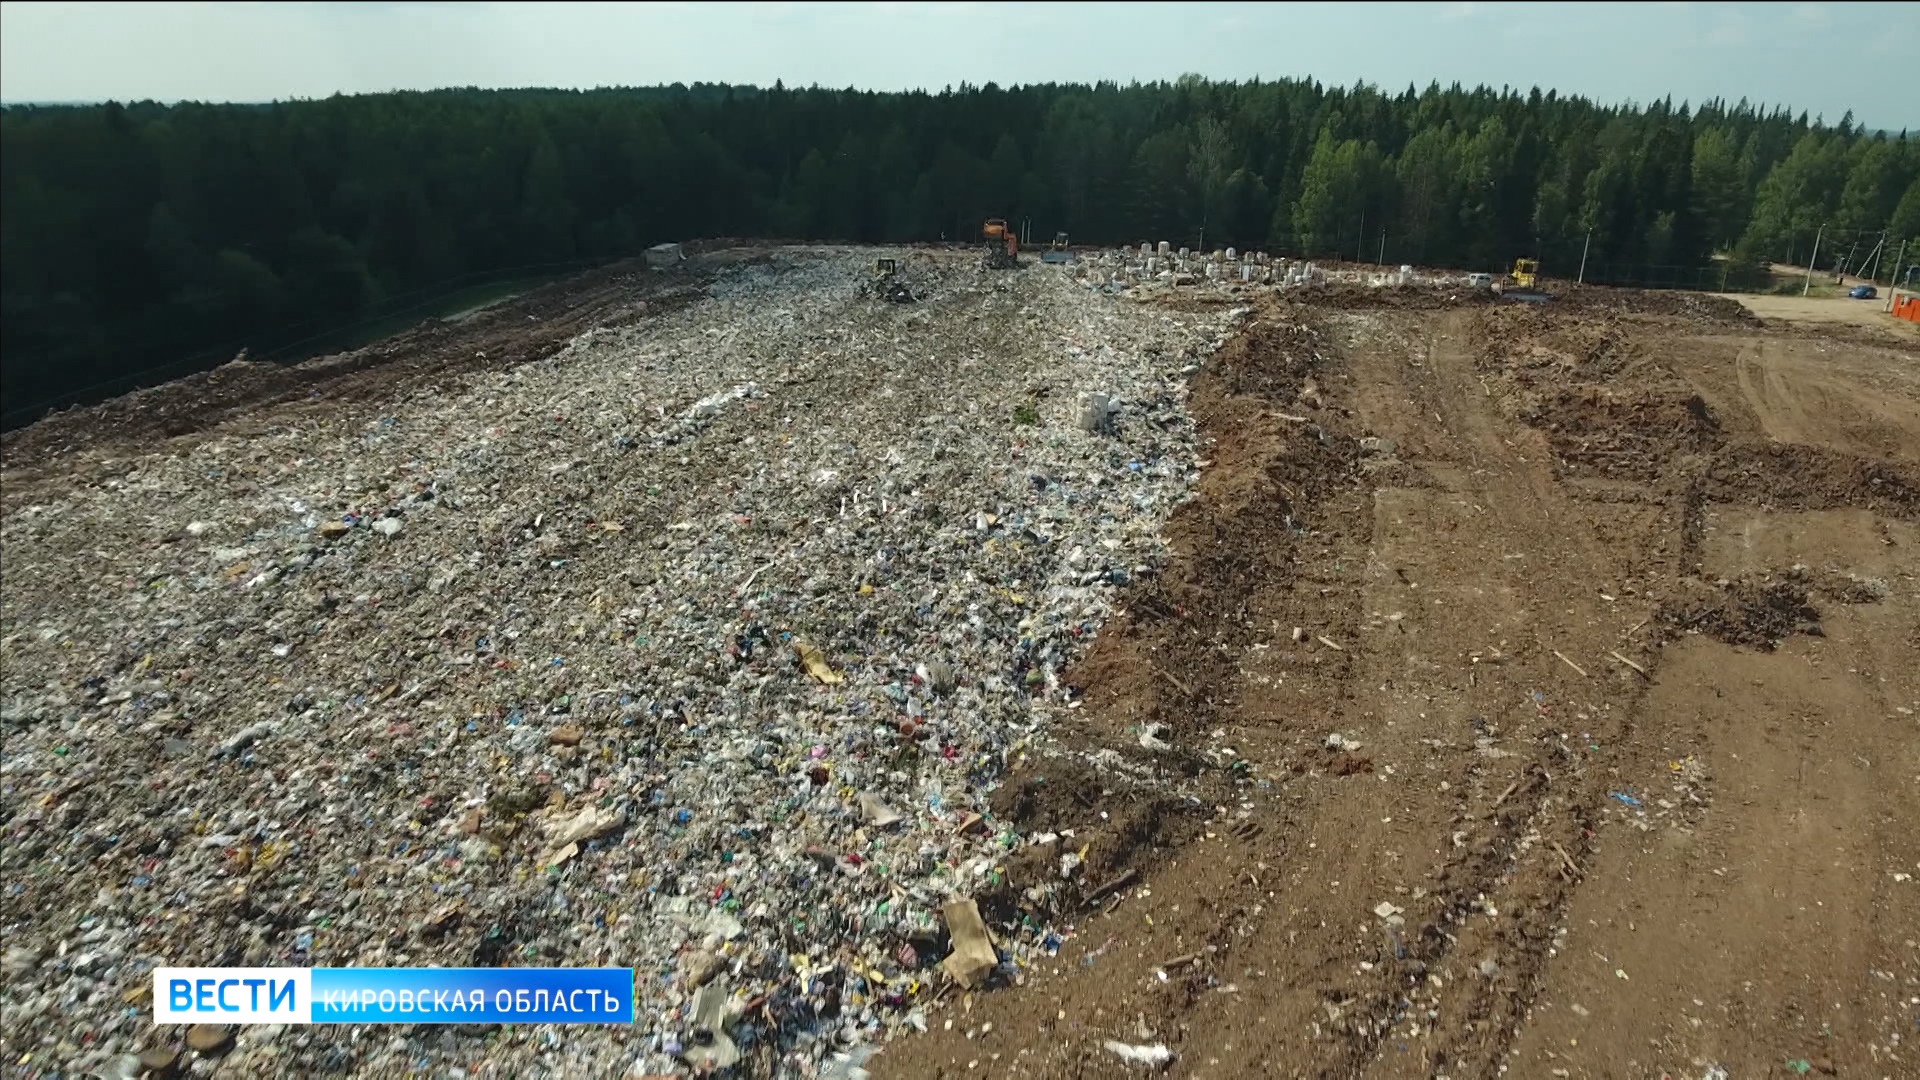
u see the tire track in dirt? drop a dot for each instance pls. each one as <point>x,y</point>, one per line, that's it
<point>1665,906</point>
<point>1767,395</point>
<point>1507,562</point>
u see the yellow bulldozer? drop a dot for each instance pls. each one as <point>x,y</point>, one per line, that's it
<point>1522,283</point>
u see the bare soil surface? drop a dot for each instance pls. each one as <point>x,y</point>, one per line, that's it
<point>1827,310</point>
<point>1593,755</point>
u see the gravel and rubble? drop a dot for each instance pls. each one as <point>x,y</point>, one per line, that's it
<point>694,647</point>
<point>1161,268</point>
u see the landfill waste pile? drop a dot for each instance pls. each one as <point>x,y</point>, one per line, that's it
<point>693,648</point>
<point>1228,270</point>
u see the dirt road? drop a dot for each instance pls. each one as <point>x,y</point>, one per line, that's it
<point>1828,310</point>
<point>1593,755</point>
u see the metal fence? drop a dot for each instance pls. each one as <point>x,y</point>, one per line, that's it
<point>1717,277</point>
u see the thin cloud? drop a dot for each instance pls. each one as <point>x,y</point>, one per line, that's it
<point>1813,14</point>
<point>1729,32</point>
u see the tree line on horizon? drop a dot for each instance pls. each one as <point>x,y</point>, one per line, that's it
<point>134,235</point>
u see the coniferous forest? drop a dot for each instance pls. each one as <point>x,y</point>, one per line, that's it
<point>138,235</point>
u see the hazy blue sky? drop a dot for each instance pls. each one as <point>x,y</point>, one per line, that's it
<point>1826,58</point>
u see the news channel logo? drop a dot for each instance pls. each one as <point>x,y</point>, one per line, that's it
<point>393,996</point>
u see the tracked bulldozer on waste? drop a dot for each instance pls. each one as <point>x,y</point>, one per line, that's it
<point>1002,246</point>
<point>885,283</point>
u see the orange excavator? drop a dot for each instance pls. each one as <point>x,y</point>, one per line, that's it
<point>1002,245</point>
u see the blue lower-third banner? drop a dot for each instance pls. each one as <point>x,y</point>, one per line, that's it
<point>393,995</point>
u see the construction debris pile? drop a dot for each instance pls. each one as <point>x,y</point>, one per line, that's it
<point>693,648</point>
<point>1162,265</point>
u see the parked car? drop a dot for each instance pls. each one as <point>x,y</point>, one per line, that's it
<point>1863,292</point>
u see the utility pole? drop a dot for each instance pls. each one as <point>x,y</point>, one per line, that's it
<point>1872,262</point>
<point>1583,258</point>
<point>1360,249</point>
<point>1894,281</point>
<point>1382,260</point>
<point>1808,287</point>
